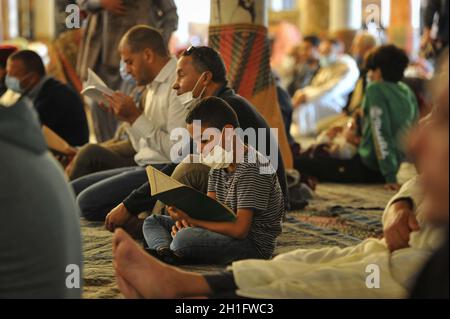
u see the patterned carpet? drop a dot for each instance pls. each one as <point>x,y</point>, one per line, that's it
<point>340,215</point>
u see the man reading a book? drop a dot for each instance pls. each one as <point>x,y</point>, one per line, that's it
<point>241,179</point>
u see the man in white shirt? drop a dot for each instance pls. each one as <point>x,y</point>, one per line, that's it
<point>148,61</point>
<point>328,92</point>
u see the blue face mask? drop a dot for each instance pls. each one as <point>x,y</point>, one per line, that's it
<point>125,75</point>
<point>13,84</point>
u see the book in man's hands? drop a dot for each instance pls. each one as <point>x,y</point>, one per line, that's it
<point>193,202</point>
<point>95,87</point>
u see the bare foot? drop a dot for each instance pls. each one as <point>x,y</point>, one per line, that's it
<point>127,290</point>
<point>140,275</point>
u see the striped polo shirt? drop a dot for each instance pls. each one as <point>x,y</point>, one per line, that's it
<point>253,185</point>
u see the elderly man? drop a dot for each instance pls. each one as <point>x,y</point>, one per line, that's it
<point>328,92</point>
<point>415,216</point>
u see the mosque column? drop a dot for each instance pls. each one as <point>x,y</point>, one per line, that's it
<point>238,30</point>
<point>401,31</point>
<point>2,21</point>
<point>9,19</point>
<point>44,20</point>
<point>345,20</point>
<point>314,17</point>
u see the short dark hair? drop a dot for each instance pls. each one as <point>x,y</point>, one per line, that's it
<point>31,60</point>
<point>214,112</point>
<point>142,37</point>
<point>391,60</point>
<point>207,59</point>
<point>314,40</point>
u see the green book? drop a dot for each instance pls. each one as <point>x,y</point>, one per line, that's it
<point>194,203</point>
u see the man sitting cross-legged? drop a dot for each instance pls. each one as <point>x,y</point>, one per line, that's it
<point>241,178</point>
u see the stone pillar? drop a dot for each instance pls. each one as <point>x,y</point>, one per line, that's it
<point>400,31</point>
<point>345,20</point>
<point>44,20</point>
<point>2,21</point>
<point>238,30</point>
<point>314,17</point>
<point>10,19</point>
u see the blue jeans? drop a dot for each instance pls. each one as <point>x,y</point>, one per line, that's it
<point>100,192</point>
<point>196,244</point>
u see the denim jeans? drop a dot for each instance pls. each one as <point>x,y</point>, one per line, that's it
<point>100,192</point>
<point>196,244</point>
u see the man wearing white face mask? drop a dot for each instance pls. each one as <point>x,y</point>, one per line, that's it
<point>329,90</point>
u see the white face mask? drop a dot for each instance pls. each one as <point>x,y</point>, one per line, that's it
<point>218,158</point>
<point>187,99</point>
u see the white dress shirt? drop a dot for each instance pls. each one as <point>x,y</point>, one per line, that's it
<point>163,112</point>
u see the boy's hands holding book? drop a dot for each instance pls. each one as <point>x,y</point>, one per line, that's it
<point>178,215</point>
<point>179,226</point>
<point>182,220</point>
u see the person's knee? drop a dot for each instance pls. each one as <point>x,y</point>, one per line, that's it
<point>185,241</point>
<point>86,202</point>
<point>84,159</point>
<point>151,223</point>
<point>192,174</point>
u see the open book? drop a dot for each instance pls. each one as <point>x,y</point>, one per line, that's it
<point>194,203</point>
<point>94,88</point>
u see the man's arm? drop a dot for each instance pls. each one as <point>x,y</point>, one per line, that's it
<point>399,218</point>
<point>139,200</point>
<point>238,229</point>
<point>156,138</point>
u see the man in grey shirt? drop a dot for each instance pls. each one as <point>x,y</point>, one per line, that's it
<point>40,246</point>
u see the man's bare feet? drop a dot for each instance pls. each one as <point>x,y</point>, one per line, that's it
<point>140,275</point>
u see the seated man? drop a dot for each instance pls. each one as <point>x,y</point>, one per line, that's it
<point>363,43</point>
<point>201,73</point>
<point>389,110</point>
<point>328,92</point>
<point>241,178</point>
<point>39,232</point>
<point>411,237</point>
<point>307,64</point>
<point>149,129</point>
<point>58,106</point>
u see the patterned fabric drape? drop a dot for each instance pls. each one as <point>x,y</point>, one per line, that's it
<point>245,49</point>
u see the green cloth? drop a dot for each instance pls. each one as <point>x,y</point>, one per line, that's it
<point>390,109</point>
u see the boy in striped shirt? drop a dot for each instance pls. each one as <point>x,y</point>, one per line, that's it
<point>240,178</point>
